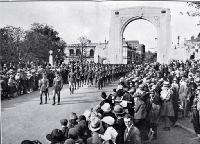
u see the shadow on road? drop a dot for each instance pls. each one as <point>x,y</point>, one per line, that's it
<point>18,100</point>
<point>34,96</point>
<point>79,101</point>
<point>98,91</point>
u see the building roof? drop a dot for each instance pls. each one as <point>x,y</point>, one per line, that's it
<point>87,45</point>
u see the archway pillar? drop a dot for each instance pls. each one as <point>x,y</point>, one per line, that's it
<point>115,49</point>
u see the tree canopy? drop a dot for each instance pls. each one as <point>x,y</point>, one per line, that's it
<point>31,45</point>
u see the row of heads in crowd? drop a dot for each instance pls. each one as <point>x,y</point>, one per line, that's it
<point>175,67</point>
<point>58,69</point>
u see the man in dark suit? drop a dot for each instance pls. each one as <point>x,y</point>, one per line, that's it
<point>132,134</point>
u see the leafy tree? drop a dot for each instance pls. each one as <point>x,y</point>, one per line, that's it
<point>11,39</point>
<point>83,42</point>
<point>196,6</point>
<point>32,45</point>
<point>39,40</point>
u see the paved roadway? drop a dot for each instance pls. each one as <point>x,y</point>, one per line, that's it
<point>23,117</point>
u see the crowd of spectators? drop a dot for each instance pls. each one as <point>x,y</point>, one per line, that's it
<point>150,93</point>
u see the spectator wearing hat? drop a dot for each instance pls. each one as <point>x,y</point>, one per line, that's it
<point>57,87</point>
<point>72,136</point>
<point>175,101</point>
<point>183,91</point>
<point>140,114</point>
<point>154,114</point>
<point>105,99</point>
<point>87,114</point>
<point>128,101</point>
<point>192,86</point>
<point>82,127</point>
<point>107,111</point>
<point>72,120</point>
<point>119,96</point>
<point>119,124</point>
<point>132,134</point>
<point>110,132</point>
<point>65,129</point>
<point>96,128</point>
<point>56,137</point>
<point>167,109</point>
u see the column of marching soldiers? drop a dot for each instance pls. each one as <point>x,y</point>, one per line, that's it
<point>23,79</point>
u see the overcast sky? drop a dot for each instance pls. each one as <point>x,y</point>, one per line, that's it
<point>74,19</point>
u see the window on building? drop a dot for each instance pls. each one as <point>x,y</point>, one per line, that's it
<point>78,52</point>
<point>71,52</point>
<point>91,52</point>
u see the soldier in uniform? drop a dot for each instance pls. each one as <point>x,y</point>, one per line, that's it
<point>99,79</point>
<point>71,78</point>
<point>43,86</point>
<point>82,76</point>
<point>90,77</point>
<point>57,87</point>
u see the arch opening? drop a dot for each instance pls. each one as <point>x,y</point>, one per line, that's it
<point>139,41</point>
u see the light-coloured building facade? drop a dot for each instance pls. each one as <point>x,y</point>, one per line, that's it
<point>188,49</point>
<point>193,47</point>
<point>133,51</point>
<point>78,52</point>
<point>90,52</point>
<point>97,52</point>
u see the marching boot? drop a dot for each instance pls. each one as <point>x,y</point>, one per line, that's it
<point>40,99</point>
<point>54,101</point>
<point>70,89</point>
<point>46,99</point>
<point>58,99</point>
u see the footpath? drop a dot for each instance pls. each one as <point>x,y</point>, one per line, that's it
<point>186,124</point>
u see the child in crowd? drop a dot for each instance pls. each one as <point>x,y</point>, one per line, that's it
<point>65,129</point>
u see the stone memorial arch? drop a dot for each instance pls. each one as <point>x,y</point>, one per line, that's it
<point>120,18</point>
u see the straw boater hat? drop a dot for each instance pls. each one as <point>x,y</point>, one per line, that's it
<point>95,124</point>
<point>106,107</point>
<point>109,120</point>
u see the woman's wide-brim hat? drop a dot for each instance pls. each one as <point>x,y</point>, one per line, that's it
<point>95,124</point>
